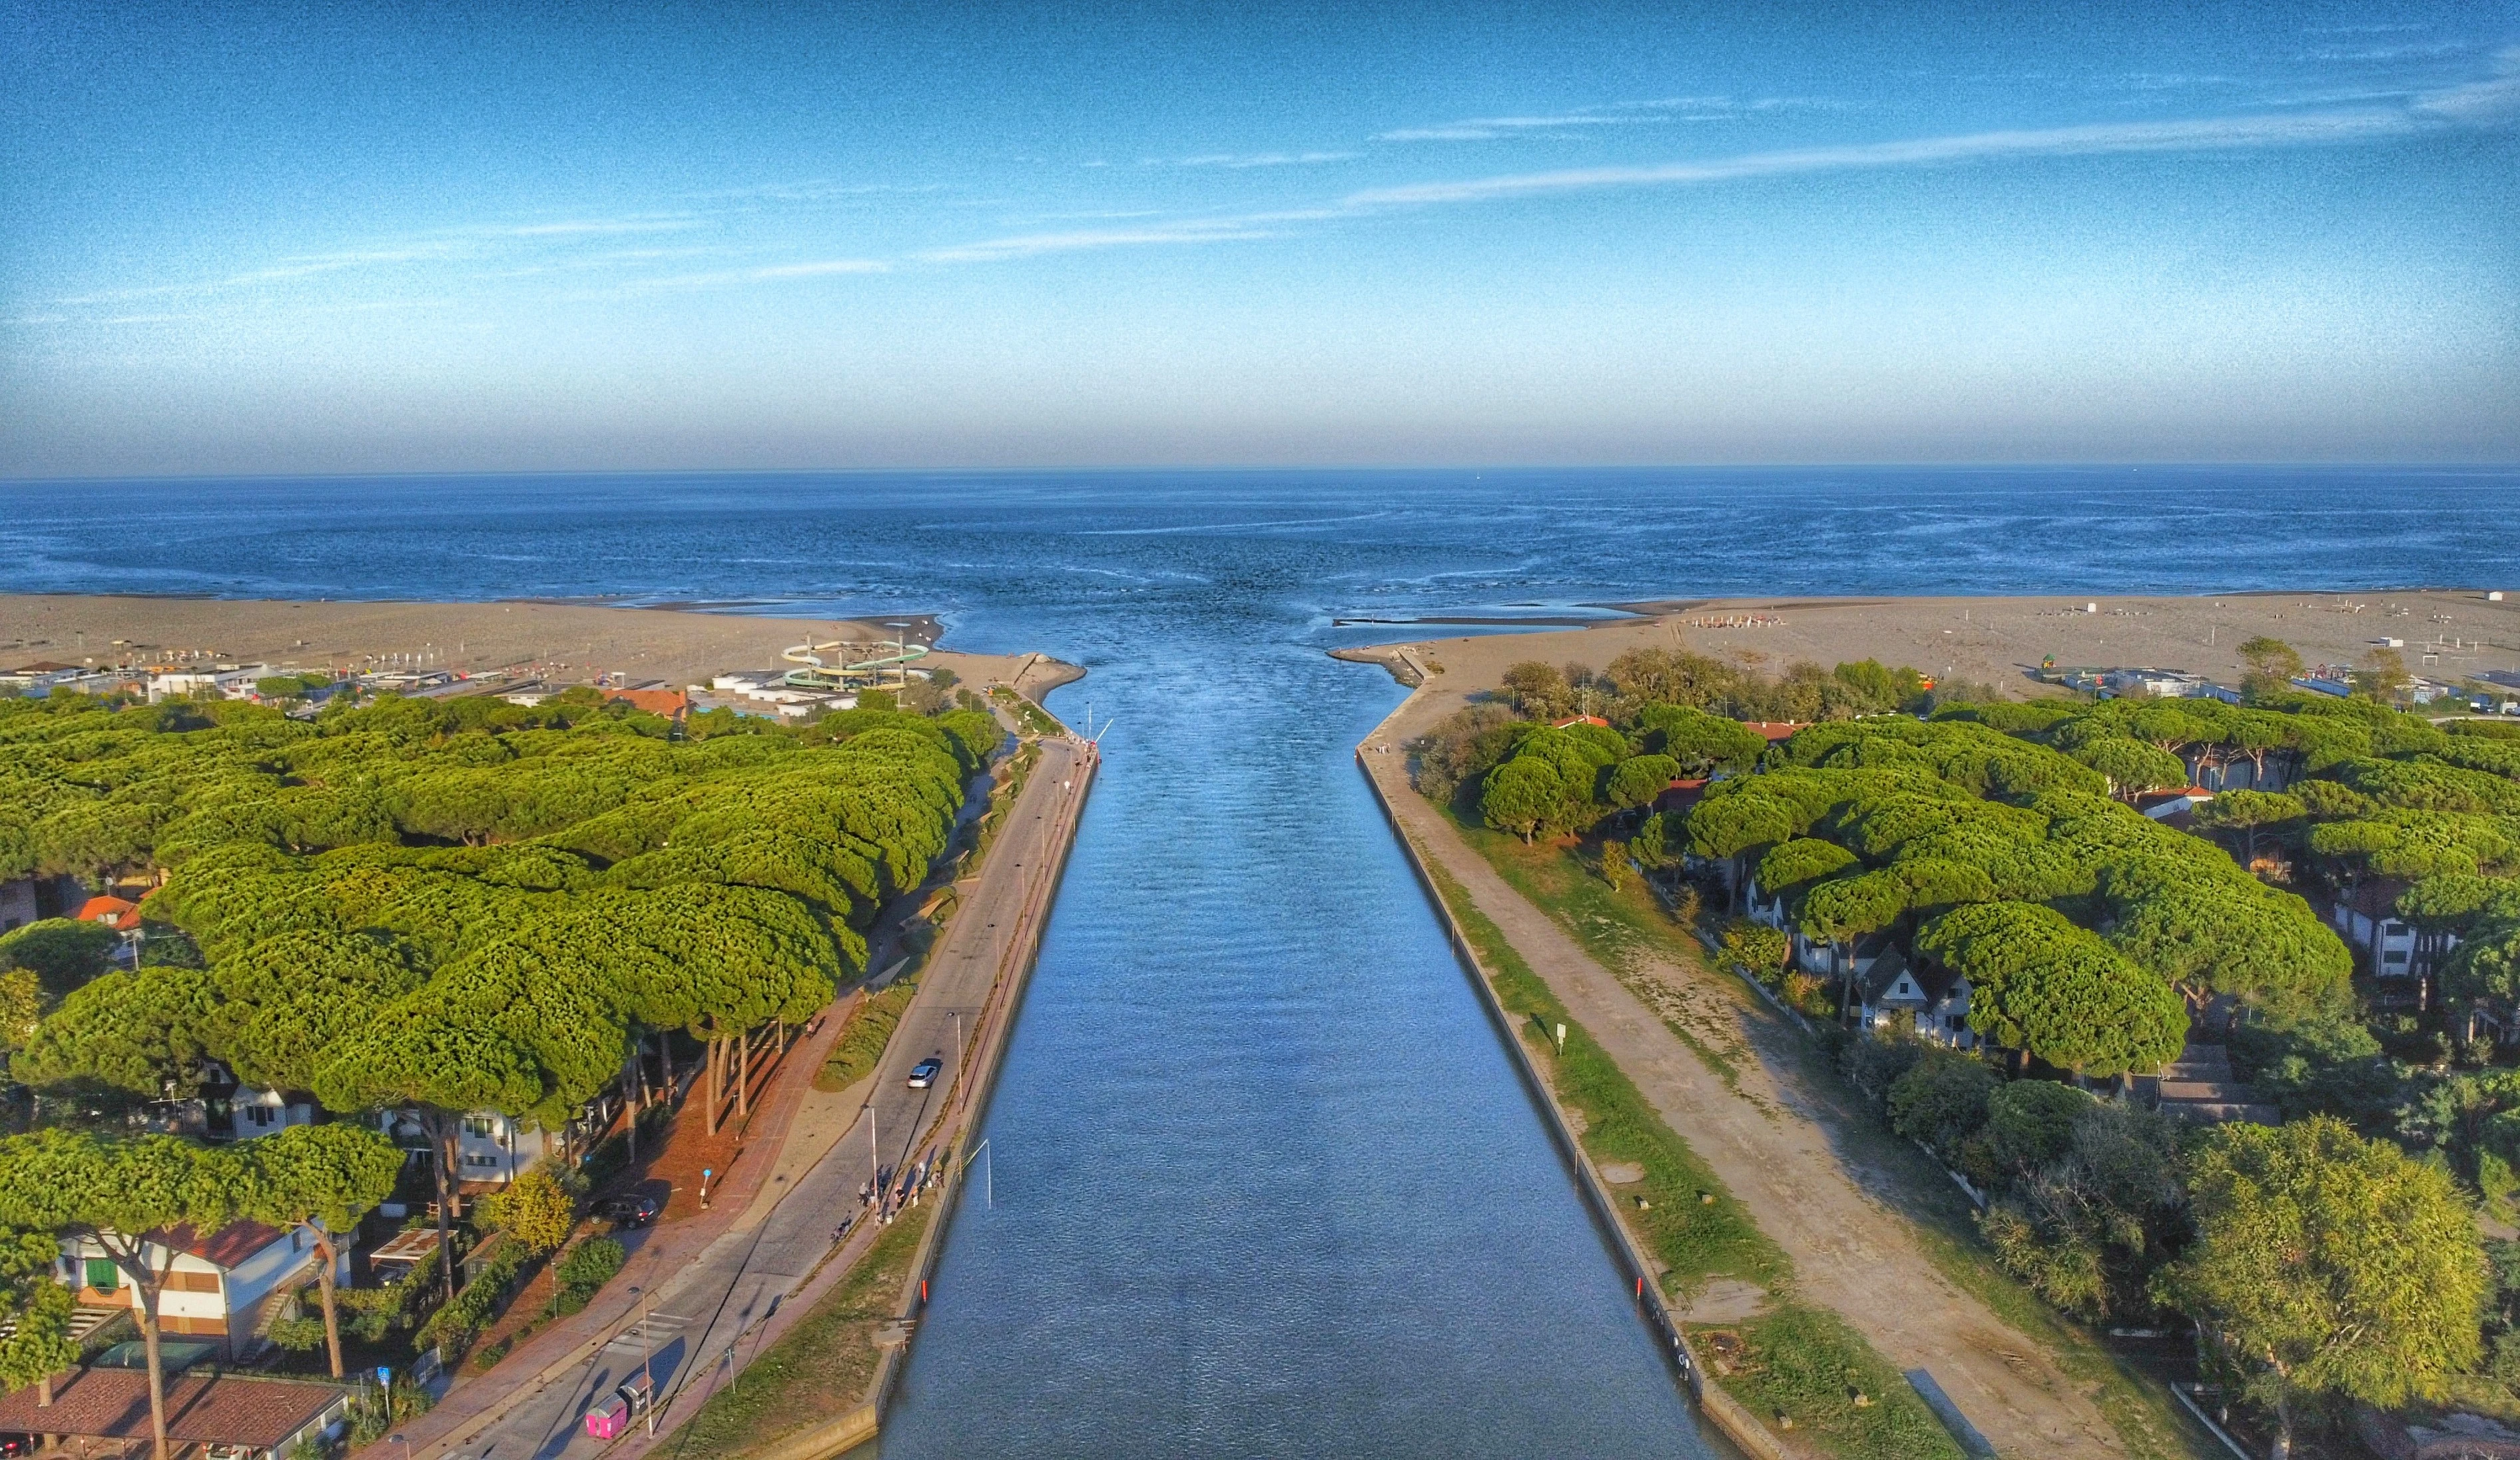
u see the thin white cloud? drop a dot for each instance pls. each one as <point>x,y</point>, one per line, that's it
<point>1621,113</point>
<point>1489,128</point>
<point>1210,230</point>
<point>822,266</point>
<point>2215,134</point>
<point>2480,103</point>
<point>818,268</point>
<point>588,227</point>
<point>1254,159</point>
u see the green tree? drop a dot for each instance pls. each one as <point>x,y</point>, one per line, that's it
<point>64,952</point>
<point>2382,675</point>
<point>1942,1101</point>
<point>2245,811</point>
<point>128,1198</point>
<point>2272,665</point>
<point>2030,1125</point>
<point>324,1179</point>
<point>2327,1265</point>
<point>1701,742</point>
<point>36,1310</point>
<point>1521,795</point>
<point>2036,982</point>
<point>1640,779</point>
<point>427,1058</point>
<point>535,1211</point>
<point>1538,690</point>
<point>21,1010</point>
<point>2132,766</point>
<point>141,1031</point>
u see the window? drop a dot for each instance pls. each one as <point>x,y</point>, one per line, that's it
<point>103,1275</point>
<point>259,1114</point>
<point>477,1126</point>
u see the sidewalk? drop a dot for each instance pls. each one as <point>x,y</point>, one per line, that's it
<point>656,1254</point>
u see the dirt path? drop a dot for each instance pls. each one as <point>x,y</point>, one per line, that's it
<point>1780,1149</point>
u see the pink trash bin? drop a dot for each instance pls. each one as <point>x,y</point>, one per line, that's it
<point>607,1420</point>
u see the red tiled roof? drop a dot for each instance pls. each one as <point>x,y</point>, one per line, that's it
<point>229,1409</point>
<point>113,912</point>
<point>228,1246</point>
<point>1680,796</point>
<point>1584,720</point>
<point>1772,729</point>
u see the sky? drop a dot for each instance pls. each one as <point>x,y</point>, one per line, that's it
<point>240,239</point>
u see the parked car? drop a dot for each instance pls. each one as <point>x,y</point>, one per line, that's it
<point>629,1212</point>
<point>924,1073</point>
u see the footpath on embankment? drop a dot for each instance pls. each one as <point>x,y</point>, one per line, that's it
<point>1776,1149</point>
<point>703,1297</point>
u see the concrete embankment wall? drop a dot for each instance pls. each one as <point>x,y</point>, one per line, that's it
<point>1736,1423</point>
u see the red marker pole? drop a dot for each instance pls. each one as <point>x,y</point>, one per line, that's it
<point>923,1292</point>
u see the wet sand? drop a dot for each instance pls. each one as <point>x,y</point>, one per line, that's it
<point>1998,641</point>
<point>563,642</point>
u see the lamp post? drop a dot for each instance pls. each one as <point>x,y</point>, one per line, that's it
<point>646,1371</point>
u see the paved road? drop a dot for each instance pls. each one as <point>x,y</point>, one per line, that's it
<point>692,1322</point>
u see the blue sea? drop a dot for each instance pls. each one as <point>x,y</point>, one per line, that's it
<point>1265,1182</point>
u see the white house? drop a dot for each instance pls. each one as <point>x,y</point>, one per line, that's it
<point>230,682</point>
<point>491,1149</point>
<point>1812,955</point>
<point>2390,946</point>
<point>1934,998</point>
<point>229,1286</point>
<point>252,1112</point>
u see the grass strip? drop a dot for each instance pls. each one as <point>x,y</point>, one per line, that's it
<point>1619,926</point>
<point>1687,1219</point>
<point>860,1047</point>
<point>820,1369</point>
<point>1808,1374</point>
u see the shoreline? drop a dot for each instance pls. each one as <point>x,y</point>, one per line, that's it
<point>2442,634</point>
<point>559,639</point>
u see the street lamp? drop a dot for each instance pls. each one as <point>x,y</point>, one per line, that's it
<point>646,1370</point>
<point>405,1441</point>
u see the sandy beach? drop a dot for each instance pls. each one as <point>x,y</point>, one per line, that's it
<point>2446,636</point>
<point>565,643</point>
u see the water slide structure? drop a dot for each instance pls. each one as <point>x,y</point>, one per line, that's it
<point>848,664</point>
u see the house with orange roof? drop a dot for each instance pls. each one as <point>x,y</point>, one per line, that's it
<point>228,1286</point>
<point>120,914</point>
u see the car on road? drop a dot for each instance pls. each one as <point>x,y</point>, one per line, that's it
<point>628,1211</point>
<point>924,1073</point>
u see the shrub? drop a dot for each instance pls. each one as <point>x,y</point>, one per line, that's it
<point>1872,1064</point>
<point>581,1274</point>
<point>1755,950</point>
<point>535,1211</point>
<point>2030,1124</point>
<point>298,1335</point>
<point>1942,1101</point>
